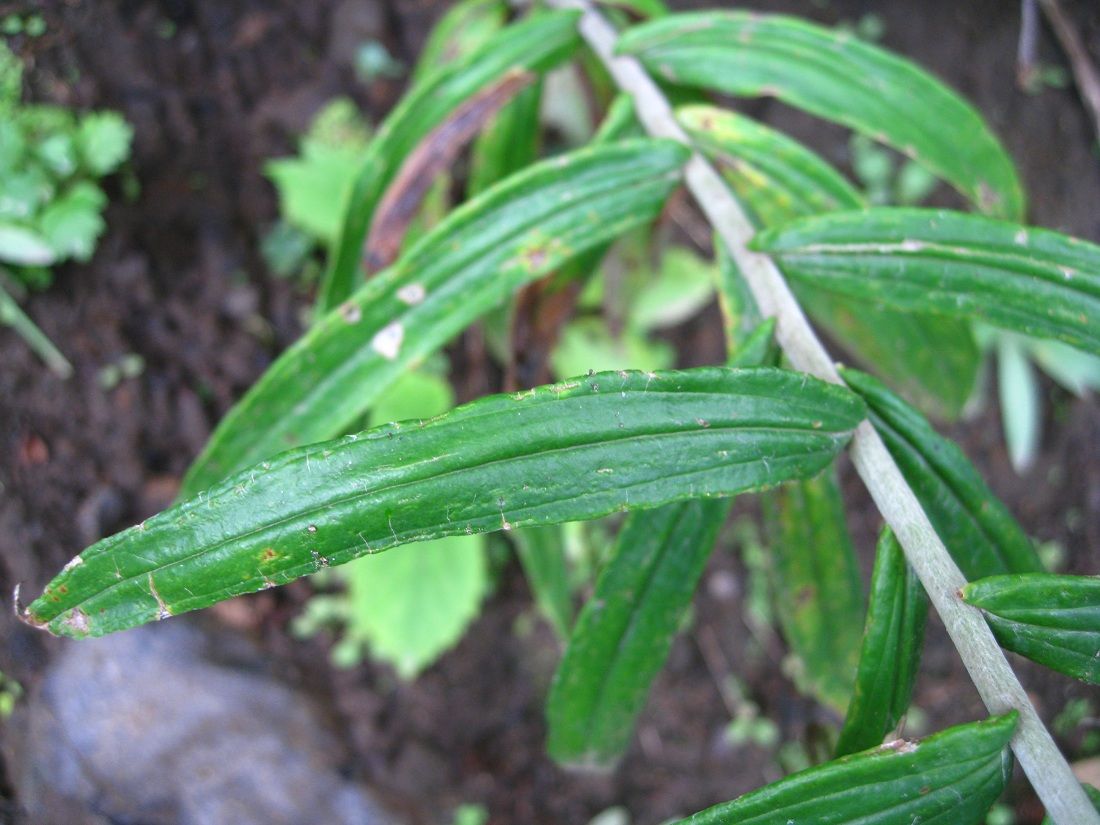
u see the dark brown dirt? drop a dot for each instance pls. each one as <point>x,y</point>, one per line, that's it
<point>178,280</point>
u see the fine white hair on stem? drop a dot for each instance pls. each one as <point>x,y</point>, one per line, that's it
<point>998,686</point>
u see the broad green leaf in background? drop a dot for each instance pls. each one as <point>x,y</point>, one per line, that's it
<point>565,452</point>
<point>835,76</point>
<point>24,247</point>
<point>536,44</point>
<point>890,656</point>
<point>73,222</point>
<point>1053,620</point>
<point>410,607</point>
<point>516,232</point>
<point>1024,279</point>
<point>314,187</point>
<point>103,141</point>
<point>541,551</point>
<point>626,629</point>
<point>976,527</point>
<point>818,591</point>
<point>951,777</point>
<point>680,287</point>
<point>413,604</point>
<point>932,359</point>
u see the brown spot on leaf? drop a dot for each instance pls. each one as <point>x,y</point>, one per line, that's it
<point>435,153</point>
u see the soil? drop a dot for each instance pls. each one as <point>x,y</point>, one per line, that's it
<point>215,88</point>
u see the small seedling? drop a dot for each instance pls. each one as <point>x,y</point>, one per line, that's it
<point>51,206</point>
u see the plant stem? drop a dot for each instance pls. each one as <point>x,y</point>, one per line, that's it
<point>11,315</point>
<point>996,683</point>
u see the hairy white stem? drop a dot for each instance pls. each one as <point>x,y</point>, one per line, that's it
<point>998,686</point>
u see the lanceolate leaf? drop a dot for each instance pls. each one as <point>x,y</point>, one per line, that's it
<point>541,551</point>
<point>818,592</point>
<point>623,635</point>
<point>777,177</point>
<point>951,778</point>
<point>567,452</point>
<point>1029,280</point>
<point>892,640</point>
<point>977,528</point>
<point>933,359</point>
<point>625,631</point>
<point>536,44</point>
<point>518,231</point>
<point>1053,620</point>
<point>837,77</point>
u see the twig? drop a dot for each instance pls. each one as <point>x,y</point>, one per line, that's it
<point>1000,690</point>
<point>1084,73</point>
<point>11,315</point>
<point>1028,45</point>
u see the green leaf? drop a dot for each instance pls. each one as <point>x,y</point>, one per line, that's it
<point>541,551</point>
<point>950,777</point>
<point>412,605</point>
<point>57,152</point>
<point>103,140</point>
<point>976,527</point>
<point>776,177</point>
<point>566,452</point>
<point>536,44</point>
<point>1029,280</point>
<point>890,656</point>
<point>587,345</point>
<point>315,186</point>
<point>13,146</point>
<point>643,8</point>
<point>818,591</point>
<point>415,395</point>
<point>464,29</point>
<point>625,631</point>
<point>24,247</point>
<point>23,192</point>
<point>1052,620</point>
<point>515,233</point>
<point>72,223</point>
<point>679,289</point>
<point>1021,406</point>
<point>1077,371</point>
<point>932,359</point>
<point>11,79</point>
<point>840,78</point>
<point>508,144</point>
